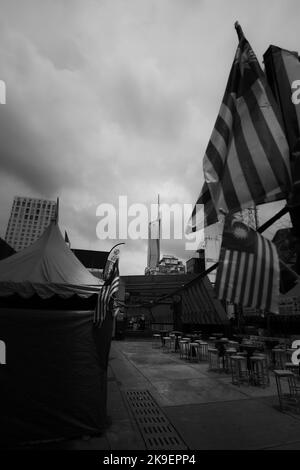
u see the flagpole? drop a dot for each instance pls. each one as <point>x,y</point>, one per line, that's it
<point>158,215</point>
<point>57,211</point>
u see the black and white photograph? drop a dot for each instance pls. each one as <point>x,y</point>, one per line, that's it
<point>149,229</point>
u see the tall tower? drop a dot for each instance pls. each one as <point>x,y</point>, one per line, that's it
<point>28,219</point>
<point>153,244</point>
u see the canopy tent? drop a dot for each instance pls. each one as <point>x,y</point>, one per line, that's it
<point>200,305</point>
<point>53,384</point>
<point>47,267</point>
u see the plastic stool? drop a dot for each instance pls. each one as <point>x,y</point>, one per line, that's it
<point>156,341</point>
<point>193,353</point>
<point>239,370</point>
<point>167,344</point>
<point>213,359</point>
<point>183,348</point>
<point>288,398</point>
<point>259,371</point>
<point>203,351</point>
<point>228,353</point>
<point>293,368</point>
<point>280,358</point>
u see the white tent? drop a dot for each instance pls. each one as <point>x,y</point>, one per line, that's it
<point>47,267</point>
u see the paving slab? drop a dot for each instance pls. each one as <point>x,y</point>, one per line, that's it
<point>195,390</point>
<point>235,425</point>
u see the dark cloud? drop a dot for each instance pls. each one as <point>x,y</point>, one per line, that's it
<point>107,99</point>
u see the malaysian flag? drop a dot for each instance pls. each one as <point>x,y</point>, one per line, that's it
<point>110,288</point>
<point>247,158</point>
<point>248,272</point>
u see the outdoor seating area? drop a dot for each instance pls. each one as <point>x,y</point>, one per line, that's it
<point>247,360</point>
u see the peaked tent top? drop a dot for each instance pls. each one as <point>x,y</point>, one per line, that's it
<point>47,267</point>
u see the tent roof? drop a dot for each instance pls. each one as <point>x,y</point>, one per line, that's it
<point>47,267</point>
<point>200,305</point>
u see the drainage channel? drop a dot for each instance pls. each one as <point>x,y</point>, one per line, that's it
<point>157,431</point>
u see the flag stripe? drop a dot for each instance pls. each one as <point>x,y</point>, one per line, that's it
<point>248,273</point>
<point>240,277</point>
<point>263,270</point>
<point>243,274</point>
<point>236,274</point>
<point>258,269</point>
<point>246,159</point>
<point>228,274</point>
<point>270,134</point>
<point>270,283</point>
<point>232,274</point>
<point>259,154</point>
<point>238,176</point>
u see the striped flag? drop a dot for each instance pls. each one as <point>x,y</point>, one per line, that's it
<point>283,74</point>
<point>248,273</point>
<point>247,158</point>
<point>105,297</point>
<point>110,287</point>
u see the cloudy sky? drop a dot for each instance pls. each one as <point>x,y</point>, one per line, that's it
<point>119,97</point>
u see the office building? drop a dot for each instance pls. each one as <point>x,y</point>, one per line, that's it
<point>28,219</point>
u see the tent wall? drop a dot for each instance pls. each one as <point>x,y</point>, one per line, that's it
<point>54,382</point>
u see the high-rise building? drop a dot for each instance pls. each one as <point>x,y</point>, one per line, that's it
<point>28,219</point>
<point>153,246</point>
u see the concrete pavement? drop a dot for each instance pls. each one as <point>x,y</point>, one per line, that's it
<point>205,408</point>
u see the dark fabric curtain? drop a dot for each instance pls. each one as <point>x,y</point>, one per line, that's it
<point>54,383</point>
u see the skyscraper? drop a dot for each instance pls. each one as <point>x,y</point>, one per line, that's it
<point>29,218</point>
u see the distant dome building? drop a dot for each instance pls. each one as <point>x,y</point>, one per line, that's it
<point>169,264</point>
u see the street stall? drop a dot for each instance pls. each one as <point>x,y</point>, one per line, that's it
<point>53,385</point>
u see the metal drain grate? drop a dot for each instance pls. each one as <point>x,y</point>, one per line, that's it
<point>157,431</point>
